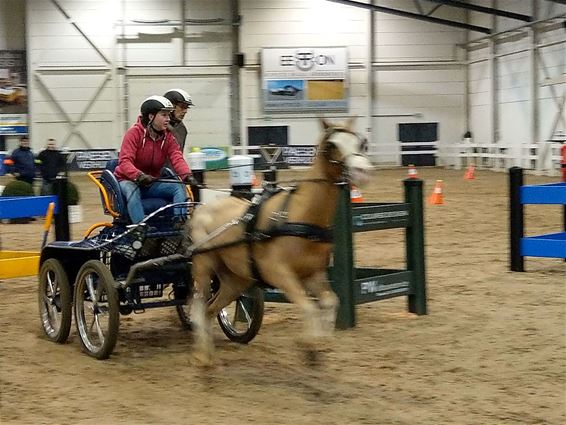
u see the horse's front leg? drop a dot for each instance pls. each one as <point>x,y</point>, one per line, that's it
<point>294,290</point>
<point>328,301</point>
<point>202,329</point>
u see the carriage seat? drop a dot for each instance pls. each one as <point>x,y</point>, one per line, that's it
<point>117,198</point>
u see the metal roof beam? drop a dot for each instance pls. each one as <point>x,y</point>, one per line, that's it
<point>417,16</point>
<point>483,9</point>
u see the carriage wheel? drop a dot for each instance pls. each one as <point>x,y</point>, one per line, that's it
<point>97,309</point>
<point>183,311</point>
<point>54,296</point>
<point>240,321</point>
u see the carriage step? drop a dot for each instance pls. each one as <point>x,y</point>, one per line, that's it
<point>140,308</point>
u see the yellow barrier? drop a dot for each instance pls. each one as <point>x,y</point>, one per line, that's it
<point>18,264</point>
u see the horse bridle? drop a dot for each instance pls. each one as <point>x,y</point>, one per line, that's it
<point>342,162</point>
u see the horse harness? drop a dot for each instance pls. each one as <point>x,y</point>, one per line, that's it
<point>281,228</point>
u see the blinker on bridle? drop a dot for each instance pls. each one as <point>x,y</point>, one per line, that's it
<point>330,131</point>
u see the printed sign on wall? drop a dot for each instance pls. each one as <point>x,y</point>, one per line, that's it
<point>13,92</point>
<point>305,78</point>
<point>90,159</point>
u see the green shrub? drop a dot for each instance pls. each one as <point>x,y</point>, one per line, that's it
<point>73,195</point>
<point>18,188</point>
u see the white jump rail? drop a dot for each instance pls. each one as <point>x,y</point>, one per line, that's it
<point>541,158</point>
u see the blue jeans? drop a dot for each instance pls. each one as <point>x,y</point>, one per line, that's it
<point>171,192</point>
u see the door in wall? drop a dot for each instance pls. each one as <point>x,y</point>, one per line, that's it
<point>418,143</point>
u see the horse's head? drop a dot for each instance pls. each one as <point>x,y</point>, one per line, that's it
<point>346,153</point>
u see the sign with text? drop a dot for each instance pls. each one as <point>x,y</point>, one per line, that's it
<point>298,155</point>
<point>90,159</point>
<point>13,92</point>
<point>305,78</point>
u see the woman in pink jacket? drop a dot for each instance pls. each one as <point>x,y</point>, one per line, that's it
<point>146,146</point>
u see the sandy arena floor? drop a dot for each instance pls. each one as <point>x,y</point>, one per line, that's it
<point>491,350</point>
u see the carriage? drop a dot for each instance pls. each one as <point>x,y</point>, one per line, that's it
<point>281,239</point>
<point>119,269</point>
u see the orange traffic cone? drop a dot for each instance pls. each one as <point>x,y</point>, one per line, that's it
<point>437,197</point>
<point>255,182</point>
<point>412,173</point>
<point>356,195</point>
<point>470,172</point>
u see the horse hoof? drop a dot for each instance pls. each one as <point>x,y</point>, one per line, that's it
<point>201,360</point>
<point>313,358</point>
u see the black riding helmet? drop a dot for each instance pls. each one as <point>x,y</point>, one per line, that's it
<point>152,105</point>
<point>179,96</point>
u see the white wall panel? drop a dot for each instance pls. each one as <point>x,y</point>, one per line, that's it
<point>278,23</point>
<point>401,38</point>
<point>208,44</point>
<point>514,80</point>
<point>514,123</point>
<point>481,123</point>
<point>54,40</point>
<point>546,9</point>
<point>207,122</point>
<point>409,92</point>
<point>199,63</point>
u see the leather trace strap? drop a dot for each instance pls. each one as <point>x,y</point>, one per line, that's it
<point>283,228</point>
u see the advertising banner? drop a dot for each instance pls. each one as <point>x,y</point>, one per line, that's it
<point>305,78</point>
<point>90,159</point>
<point>216,157</point>
<point>13,92</point>
<point>298,155</point>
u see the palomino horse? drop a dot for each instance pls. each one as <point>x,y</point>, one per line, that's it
<point>289,247</point>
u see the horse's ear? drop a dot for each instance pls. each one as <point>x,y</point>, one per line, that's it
<point>325,124</point>
<point>350,123</point>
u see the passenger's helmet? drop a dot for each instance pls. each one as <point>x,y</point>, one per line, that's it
<point>152,105</point>
<point>179,96</point>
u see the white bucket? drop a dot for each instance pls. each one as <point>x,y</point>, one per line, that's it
<point>241,170</point>
<point>75,213</point>
<point>197,160</point>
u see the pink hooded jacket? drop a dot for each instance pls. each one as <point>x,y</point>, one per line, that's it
<point>142,154</point>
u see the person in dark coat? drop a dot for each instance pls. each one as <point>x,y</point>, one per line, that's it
<point>23,162</point>
<point>51,163</point>
<point>182,101</point>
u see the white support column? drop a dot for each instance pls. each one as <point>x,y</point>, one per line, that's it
<point>493,64</point>
<point>371,91</point>
<point>533,74</point>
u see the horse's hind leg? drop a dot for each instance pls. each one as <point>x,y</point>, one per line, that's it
<point>202,271</point>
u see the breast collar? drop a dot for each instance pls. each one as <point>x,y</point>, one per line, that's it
<point>281,227</point>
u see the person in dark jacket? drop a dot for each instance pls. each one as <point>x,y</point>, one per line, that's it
<point>182,101</point>
<point>146,146</point>
<point>23,167</point>
<point>51,163</point>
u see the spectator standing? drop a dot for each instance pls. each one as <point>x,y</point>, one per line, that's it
<point>51,163</point>
<point>23,167</point>
<point>181,101</point>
